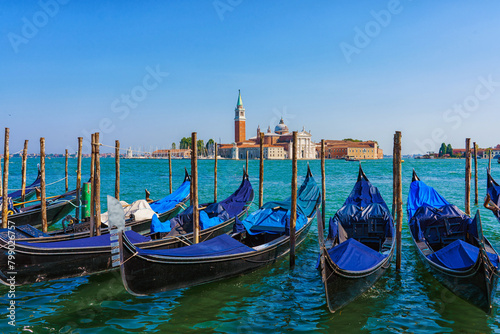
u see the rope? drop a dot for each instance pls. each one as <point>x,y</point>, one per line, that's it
<point>64,178</point>
<point>129,258</point>
<point>185,242</point>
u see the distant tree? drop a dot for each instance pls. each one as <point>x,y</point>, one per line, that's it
<point>200,145</point>
<point>173,146</point>
<point>449,150</point>
<point>442,150</point>
<point>353,140</point>
<point>210,142</point>
<point>185,143</point>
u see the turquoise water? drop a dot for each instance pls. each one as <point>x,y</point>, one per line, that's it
<point>272,299</point>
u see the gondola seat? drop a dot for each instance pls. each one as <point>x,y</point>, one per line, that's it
<point>459,255</point>
<point>354,256</point>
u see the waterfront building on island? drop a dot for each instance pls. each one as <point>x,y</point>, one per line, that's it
<point>276,145</point>
<point>350,149</point>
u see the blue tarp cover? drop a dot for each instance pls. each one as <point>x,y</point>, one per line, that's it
<point>428,216</point>
<point>223,210</point>
<point>493,189</point>
<point>274,217</point>
<point>169,202</point>
<point>102,240</point>
<point>158,226</point>
<point>271,221</point>
<point>421,194</point>
<point>363,205</point>
<point>220,245</point>
<point>308,197</point>
<point>354,256</point>
<point>459,255</point>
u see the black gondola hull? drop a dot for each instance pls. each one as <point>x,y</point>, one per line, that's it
<point>55,212</point>
<point>342,287</point>
<point>42,264</point>
<point>476,285</point>
<point>147,275</point>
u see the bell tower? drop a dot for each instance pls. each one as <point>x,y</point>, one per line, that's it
<point>239,121</point>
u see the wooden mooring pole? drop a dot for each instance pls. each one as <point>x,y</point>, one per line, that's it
<point>489,160</point>
<point>66,170</point>
<point>398,196</point>
<point>323,184</point>
<point>169,171</point>
<point>476,200</point>
<point>42,186</point>
<point>97,180</point>
<point>79,179</point>
<point>23,173</point>
<point>5,188</point>
<point>92,185</point>
<point>215,175</point>
<point>117,169</point>
<point>194,183</point>
<point>293,214</point>
<point>261,170</point>
<point>394,186</point>
<point>467,176</point>
<point>246,164</point>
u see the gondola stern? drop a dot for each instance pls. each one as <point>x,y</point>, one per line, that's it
<point>361,174</point>
<point>490,271</point>
<point>414,176</point>
<point>187,177</point>
<point>309,173</point>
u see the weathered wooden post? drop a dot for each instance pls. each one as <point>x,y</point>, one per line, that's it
<point>194,182</point>
<point>476,200</point>
<point>293,214</point>
<point>5,188</point>
<point>42,186</point>
<point>394,186</point>
<point>117,169</point>
<point>323,184</point>
<point>261,170</point>
<point>398,196</point>
<point>66,170</point>
<point>467,176</point>
<point>78,179</point>
<point>246,164</point>
<point>169,171</point>
<point>489,160</point>
<point>97,180</point>
<point>23,173</point>
<point>92,185</point>
<point>215,175</point>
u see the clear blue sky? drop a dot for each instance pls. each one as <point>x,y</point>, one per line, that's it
<point>327,65</point>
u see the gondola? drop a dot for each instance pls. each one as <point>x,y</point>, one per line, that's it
<point>57,208</point>
<point>492,200</point>
<point>259,240</point>
<point>43,261</point>
<point>359,246</point>
<point>452,246</point>
<point>29,192</point>
<point>136,220</point>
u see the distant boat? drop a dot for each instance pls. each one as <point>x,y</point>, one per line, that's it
<point>350,159</point>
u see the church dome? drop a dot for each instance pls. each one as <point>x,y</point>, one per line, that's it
<point>281,128</point>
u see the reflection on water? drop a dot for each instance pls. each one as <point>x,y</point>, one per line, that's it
<point>272,299</point>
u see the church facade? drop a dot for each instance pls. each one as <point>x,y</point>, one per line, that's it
<point>277,144</point>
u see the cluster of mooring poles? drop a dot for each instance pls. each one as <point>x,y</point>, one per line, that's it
<point>88,195</point>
